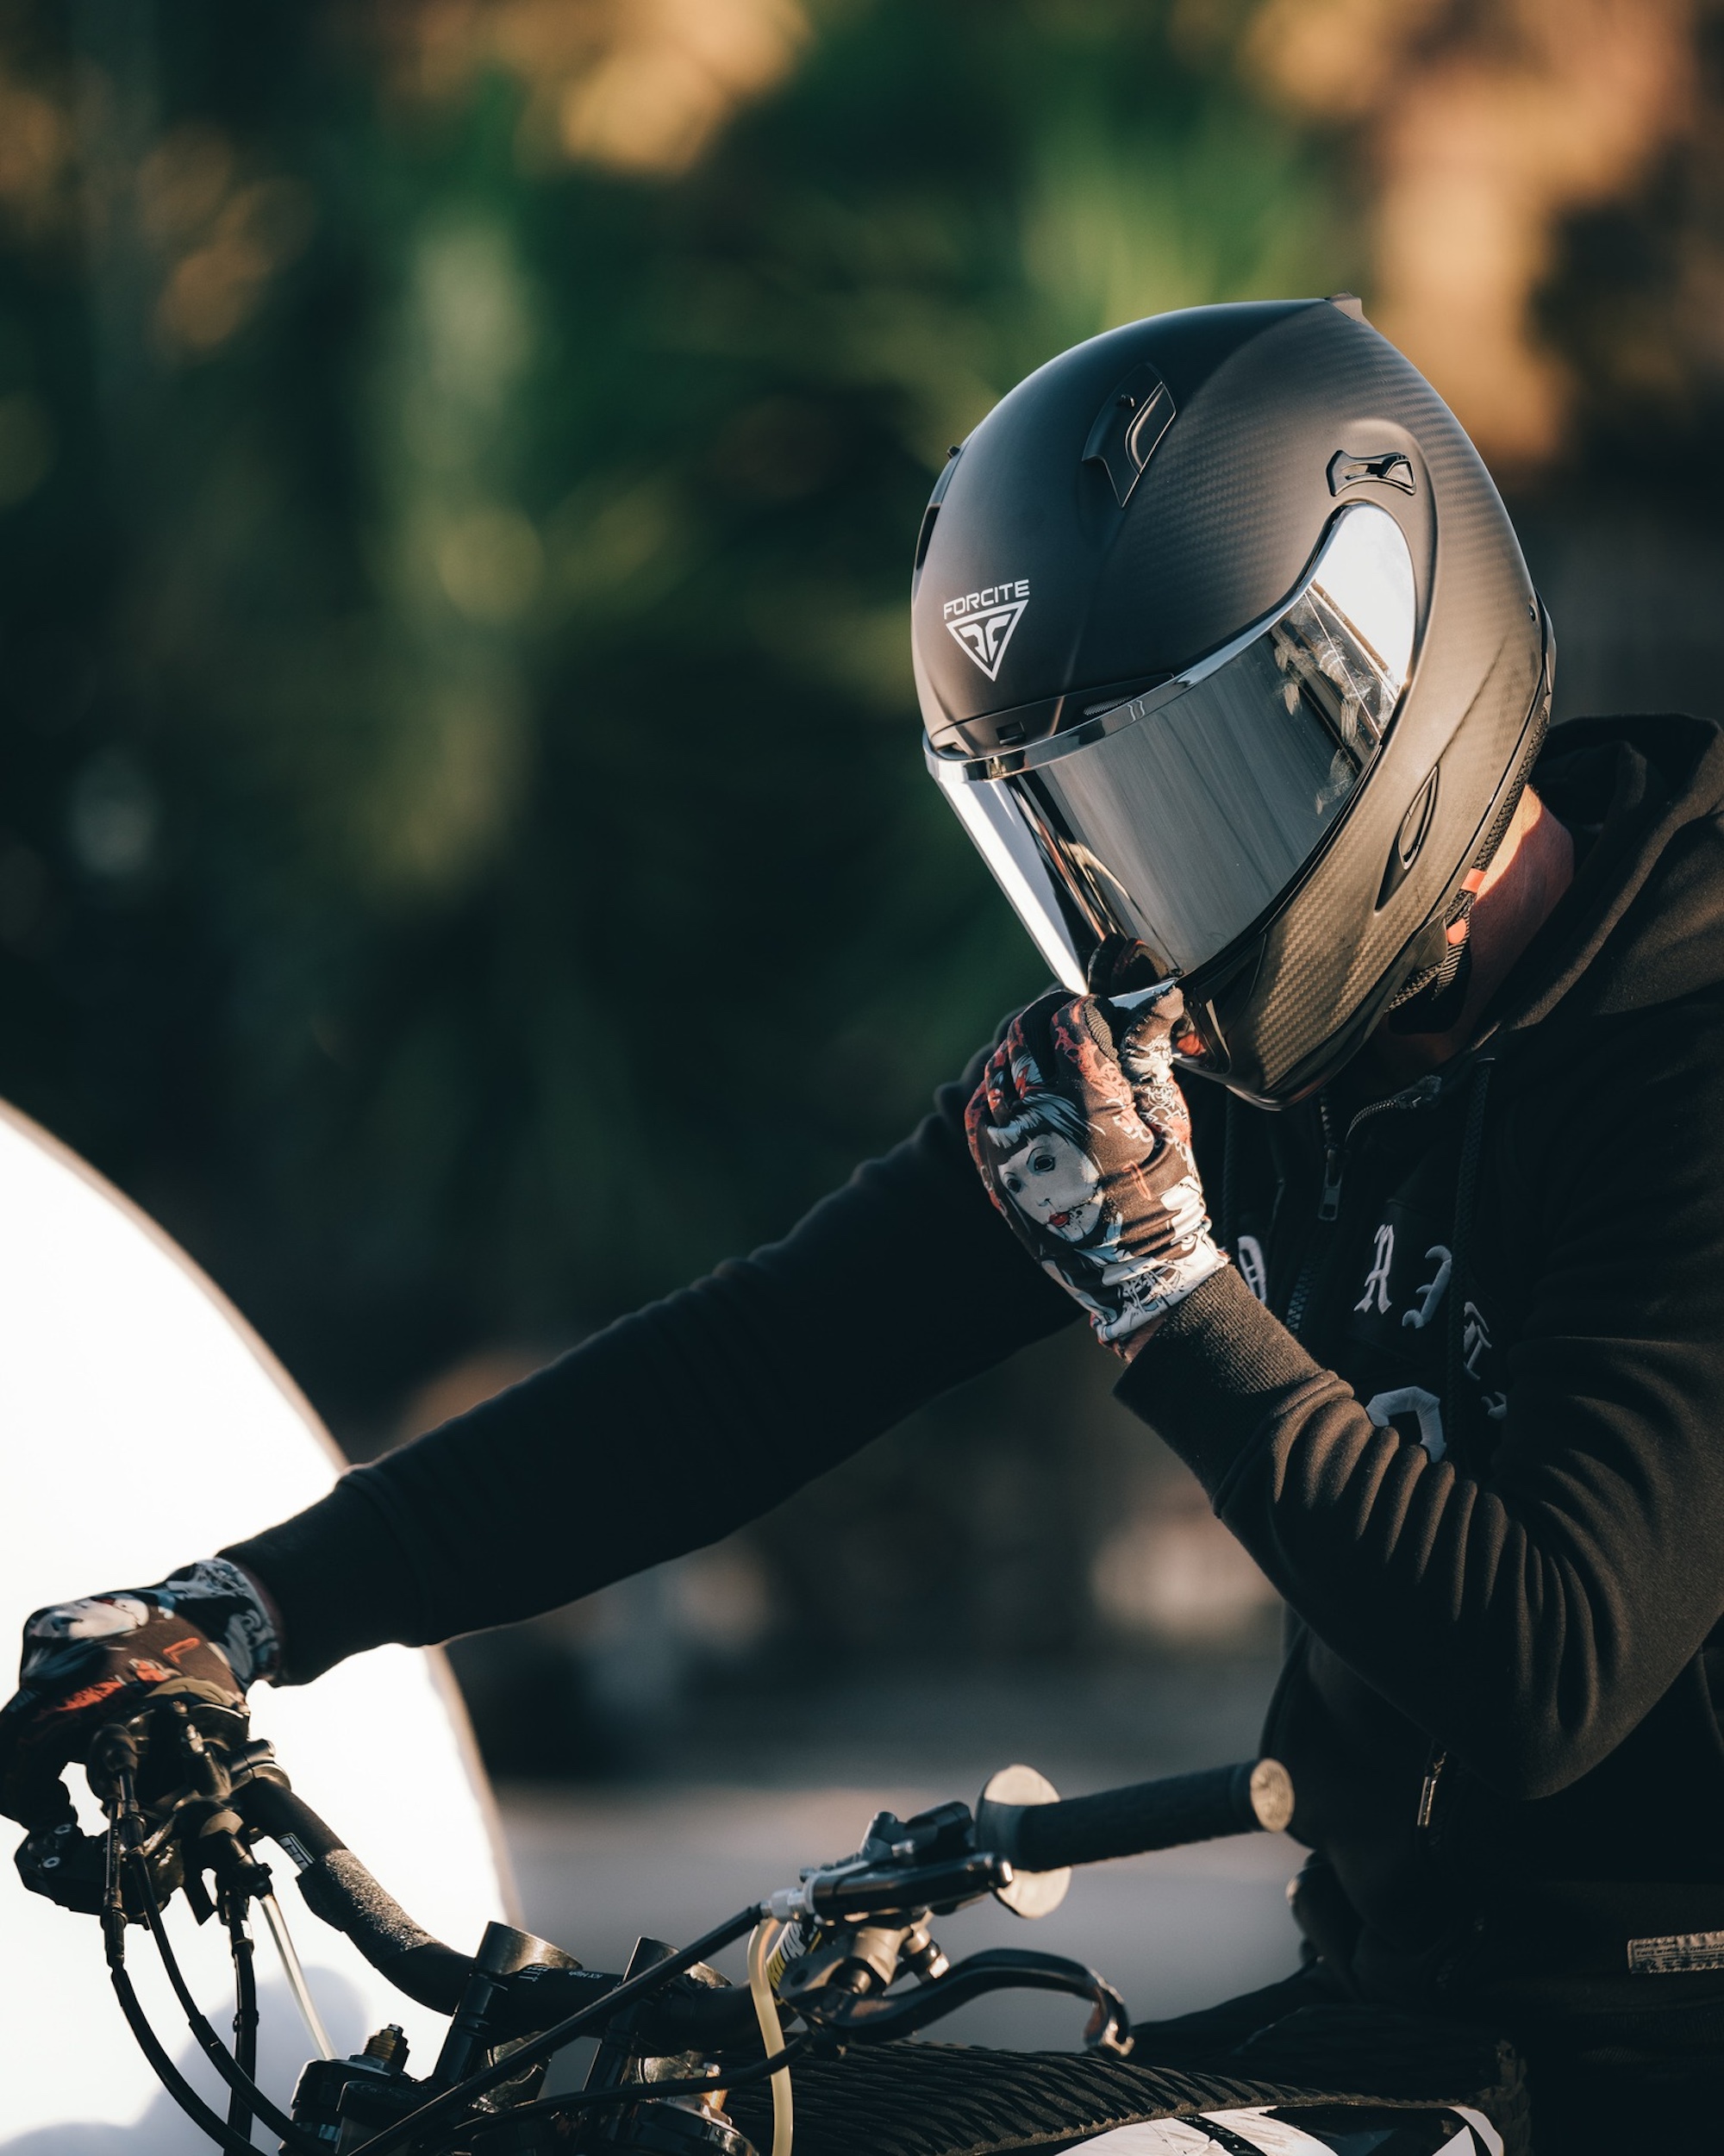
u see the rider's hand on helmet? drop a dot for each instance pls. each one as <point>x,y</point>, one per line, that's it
<point>202,1635</point>
<point>1082,1136</point>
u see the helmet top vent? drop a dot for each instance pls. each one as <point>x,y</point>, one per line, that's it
<point>1128,429</point>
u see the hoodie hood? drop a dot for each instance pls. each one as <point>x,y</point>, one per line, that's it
<point>1642,924</point>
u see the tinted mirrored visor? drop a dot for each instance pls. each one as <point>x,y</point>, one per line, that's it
<point>1178,818</point>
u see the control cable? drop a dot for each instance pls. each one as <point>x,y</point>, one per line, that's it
<point>766,1935</point>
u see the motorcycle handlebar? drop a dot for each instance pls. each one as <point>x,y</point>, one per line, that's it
<point>341,1889</point>
<point>1254,1797</point>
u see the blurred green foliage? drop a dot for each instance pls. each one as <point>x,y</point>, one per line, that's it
<point>465,857</point>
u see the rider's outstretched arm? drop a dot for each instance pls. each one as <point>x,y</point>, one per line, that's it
<point>674,1425</point>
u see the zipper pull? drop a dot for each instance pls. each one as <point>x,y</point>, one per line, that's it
<point>1329,1205</point>
<point>1428,1795</point>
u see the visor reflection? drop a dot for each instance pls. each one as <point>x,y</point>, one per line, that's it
<point>1175,820</point>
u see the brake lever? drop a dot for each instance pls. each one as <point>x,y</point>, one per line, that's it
<point>879,2018</point>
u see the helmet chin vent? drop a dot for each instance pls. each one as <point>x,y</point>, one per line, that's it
<point>1415,826</point>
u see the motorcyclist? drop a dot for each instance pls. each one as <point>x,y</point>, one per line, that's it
<point>1377,1125</point>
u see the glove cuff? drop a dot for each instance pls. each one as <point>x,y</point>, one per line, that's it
<point>1173,1281</point>
<point>227,1606</point>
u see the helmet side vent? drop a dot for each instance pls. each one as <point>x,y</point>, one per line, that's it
<point>930,515</point>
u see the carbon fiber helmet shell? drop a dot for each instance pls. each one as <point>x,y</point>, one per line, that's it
<point>1282,415</point>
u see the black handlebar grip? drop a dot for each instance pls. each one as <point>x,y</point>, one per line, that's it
<point>339,1889</point>
<point>1254,1797</point>
<point>271,1806</point>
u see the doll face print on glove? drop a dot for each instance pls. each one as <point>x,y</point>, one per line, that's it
<point>1081,1134</point>
<point>1050,1178</point>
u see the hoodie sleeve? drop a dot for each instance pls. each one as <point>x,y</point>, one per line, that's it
<point>1529,1618</point>
<point>674,1425</point>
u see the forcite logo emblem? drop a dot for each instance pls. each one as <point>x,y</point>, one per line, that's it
<point>982,621</point>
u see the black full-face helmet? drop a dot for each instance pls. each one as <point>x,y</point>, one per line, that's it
<point>1230,665</point>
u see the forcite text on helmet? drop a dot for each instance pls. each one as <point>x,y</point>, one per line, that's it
<point>981,602</point>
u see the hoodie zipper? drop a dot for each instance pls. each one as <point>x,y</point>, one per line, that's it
<point>1428,1792</point>
<point>1334,1158</point>
<point>1334,1162</point>
<point>1335,1153</point>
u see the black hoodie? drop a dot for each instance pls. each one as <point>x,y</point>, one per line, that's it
<point>1497,1705</point>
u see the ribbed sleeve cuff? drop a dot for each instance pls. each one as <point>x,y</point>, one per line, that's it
<point>1214,1371</point>
<point>339,1579</point>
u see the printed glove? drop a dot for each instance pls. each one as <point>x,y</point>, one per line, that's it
<point>202,1635</point>
<point>1082,1138</point>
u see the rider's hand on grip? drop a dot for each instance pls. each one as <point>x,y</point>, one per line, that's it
<point>202,1635</point>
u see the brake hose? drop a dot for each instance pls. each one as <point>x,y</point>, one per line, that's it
<point>113,1934</point>
<point>167,2073</point>
<point>765,1935</point>
<point>245,2018</point>
<point>239,2081</point>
